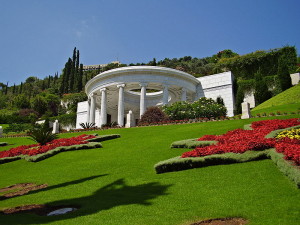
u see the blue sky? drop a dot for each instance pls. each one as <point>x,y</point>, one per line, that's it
<point>38,36</point>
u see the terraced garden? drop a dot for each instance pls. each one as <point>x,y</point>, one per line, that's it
<point>117,184</point>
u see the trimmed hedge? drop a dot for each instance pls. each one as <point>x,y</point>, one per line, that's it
<point>191,143</point>
<point>3,143</point>
<point>178,163</point>
<point>40,157</point>
<point>274,133</point>
<point>288,168</point>
<point>93,143</point>
<point>105,137</point>
<point>247,127</point>
<point>9,159</point>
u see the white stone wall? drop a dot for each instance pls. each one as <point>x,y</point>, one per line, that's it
<point>82,108</point>
<point>295,77</point>
<point>249,97</point>
<point>219,85</point>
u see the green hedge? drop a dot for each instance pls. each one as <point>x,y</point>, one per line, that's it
<point>105,137</point>
<point>177,163</point>
<point>9,159</point>
<point>274,133</point>
<point>40,157</point>
<point>191,143</point>
<point>286,167</point>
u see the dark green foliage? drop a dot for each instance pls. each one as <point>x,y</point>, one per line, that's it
<point>273,83</point>
<point>220,100</point>
<point>21,102</point>
<point>261,93</point>
<point>246,66</point>
<point>42,134</point>
<point>153,114</point>
<point>177,163</point>
<point>65,119</point>
<point>283,74</point>
<point>17,128</point>
<point>87,125</point>
<point>191,143</point>
<point>39,104</point>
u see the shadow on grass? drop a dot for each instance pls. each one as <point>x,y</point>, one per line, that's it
<point>115,194</point>
<point>58,186</point>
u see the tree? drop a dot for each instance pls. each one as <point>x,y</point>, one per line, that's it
<point>39,104</point>
<point>21,102</point>
<point>261,93</point>
<point>283,74</point>
<point>79,78</point>
<point>30,80</point>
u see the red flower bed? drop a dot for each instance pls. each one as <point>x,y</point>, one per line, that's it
<point>240,141</point>
<point>38,149</point>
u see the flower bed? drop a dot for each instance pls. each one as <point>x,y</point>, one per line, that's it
<point>36,149</point>
<point>240,141</point>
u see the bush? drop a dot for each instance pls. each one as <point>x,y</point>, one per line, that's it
<point>202,108</point>
<point>17,128</point>
<point>42,134</point>
<point>153,114</point>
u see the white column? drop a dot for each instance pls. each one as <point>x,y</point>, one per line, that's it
<point>143,98</point>
<point>121,105</point>
<point>183,94</point>
<point>92,108</point>
<point>166,94</point>
<point>88,111</point>
<point>103,114</point>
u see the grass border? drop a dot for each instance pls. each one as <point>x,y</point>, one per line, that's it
<point>191,143</point>
<point>3,144</point>
<point>287,167</point>
<point>93,143</point>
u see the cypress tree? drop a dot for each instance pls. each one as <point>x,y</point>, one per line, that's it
<point>79,80</point>
<point>283,74</point>
<point>261,93</point>
<point>14,88</point>
<point>49,80</point>
<point>72,71</point>
<point>6,88</point>
<point>21,88</point>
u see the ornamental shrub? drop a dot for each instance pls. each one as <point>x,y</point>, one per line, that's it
<point>153,114</point>
<point>42,134</point>
<point>202,108</point>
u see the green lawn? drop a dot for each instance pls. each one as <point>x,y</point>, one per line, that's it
<point>117,184</point>
<point>288,108</point>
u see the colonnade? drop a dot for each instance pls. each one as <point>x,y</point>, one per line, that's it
<point>91,109</point>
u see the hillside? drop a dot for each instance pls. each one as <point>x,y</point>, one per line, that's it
<point>290,96</point>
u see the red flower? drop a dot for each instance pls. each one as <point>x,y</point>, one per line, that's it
<point>240,141</point>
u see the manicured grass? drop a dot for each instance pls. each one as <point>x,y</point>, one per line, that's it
<point>117,184</point>
<point>274,109</point>
<point>289,96</point>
